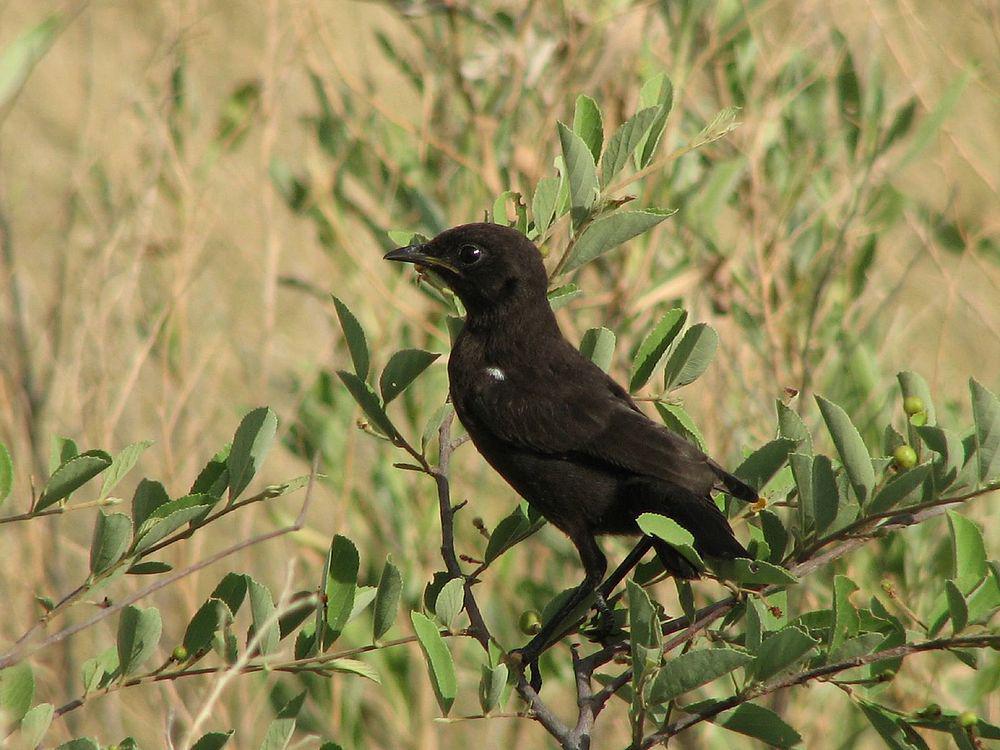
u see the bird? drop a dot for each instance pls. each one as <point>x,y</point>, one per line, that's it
<point>564,435</point>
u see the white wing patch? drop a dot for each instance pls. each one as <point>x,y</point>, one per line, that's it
<point>496,373</point>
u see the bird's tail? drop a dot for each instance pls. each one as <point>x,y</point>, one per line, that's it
<point>713,537</point>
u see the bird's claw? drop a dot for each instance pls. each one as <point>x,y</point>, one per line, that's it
<point>525,660</point>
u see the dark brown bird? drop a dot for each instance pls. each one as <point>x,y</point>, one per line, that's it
<point>564,435</point>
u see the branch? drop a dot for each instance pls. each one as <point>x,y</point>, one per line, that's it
<point>20,651</point>
<point>897,519</point>
<point>900,652</point>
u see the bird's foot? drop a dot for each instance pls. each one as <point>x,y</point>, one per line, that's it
<point>526,660</point>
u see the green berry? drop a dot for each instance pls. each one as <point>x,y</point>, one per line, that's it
<point>179,654</point>
<point>968,719</point>
<point>905,457</point>
<point>913,405</point>
<point>919,419</point>
<point>530,622</point>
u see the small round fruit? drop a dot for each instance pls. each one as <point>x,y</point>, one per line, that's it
<point>968,719</point>
<point>530,622</point>
<point>913,405</point>
<point>905,457</point>
<point>919,419</point>
<point>179,654</point>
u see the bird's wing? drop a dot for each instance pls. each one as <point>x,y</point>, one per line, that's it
<point>574,409</point>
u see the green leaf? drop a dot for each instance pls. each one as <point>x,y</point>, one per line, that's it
<point>368,401</point>
<point>598,345</point>
<point>232,590</point>
<point>356,342</point>
<point>657,92</point>
<point>403,368</point>
<point>213,740</point>
<point>581,174</point>
<point>439,661</point>
<point>950,449</point>
<point>986,413</point>
<point>353,666</point>
<point>791,426</point>
<point>35,724</point>
<point>654,346</point>
<point>845,616</point>
<point>676,418</point>
<point>72,475</point>
<point>694,669</point>
<point>802,471</point>
<point>251,442</point>
<point>890,726</point>
<point>511,529</point>
<point>390,586</point>
<point>491,684</point>
<point>563,295</point>
<point>148,568</point>
<point>957,606</point>
<point>138,634</point>
<point>340,586</point>
<point>900,489</point>
<point>826,498</point>
<point>211,617</point>
<point>932,122</point>
<point>6,473</point>
<point>544,202</point>
<point>169,517</point>
<point>121,465</point>
<point>851,448</point>
<point>968,553</point>
<point>98,671</point>
<point>264,621</point>
<point>691,357</point>
<point>80,743</point>
<point>363,597</point>
<point>588,124</point>
<point>762,724</point>
<point>673,534</point>
<point>63,449</point>
<point>758,468</point>
<point>644,634</point>
<point>742,570</point>
<point>279,732</point>
<point>608,232</point>
<point>17,692</point>
<point>625,141</point>
<point>781,650</point>
<point>112,533</point>
<point>20,56</point>
<point>449,603</point>
<point>149,496</point>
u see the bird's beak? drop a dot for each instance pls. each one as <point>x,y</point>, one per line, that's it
<point>418,255</point>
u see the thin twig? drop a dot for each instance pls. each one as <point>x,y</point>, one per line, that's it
<point>900,652</point>
<point>21,651</point>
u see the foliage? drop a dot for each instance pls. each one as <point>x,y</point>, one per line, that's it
<point>738,279</point>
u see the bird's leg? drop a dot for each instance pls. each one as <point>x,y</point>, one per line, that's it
<point>594,566</point>
<point>624,568</point>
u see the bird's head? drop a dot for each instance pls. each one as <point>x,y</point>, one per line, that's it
<point>487,265</point>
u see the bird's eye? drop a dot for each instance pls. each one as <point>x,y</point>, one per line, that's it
<point>469,254</point>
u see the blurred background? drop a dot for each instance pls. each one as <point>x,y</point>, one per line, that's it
<point>183,184</point>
